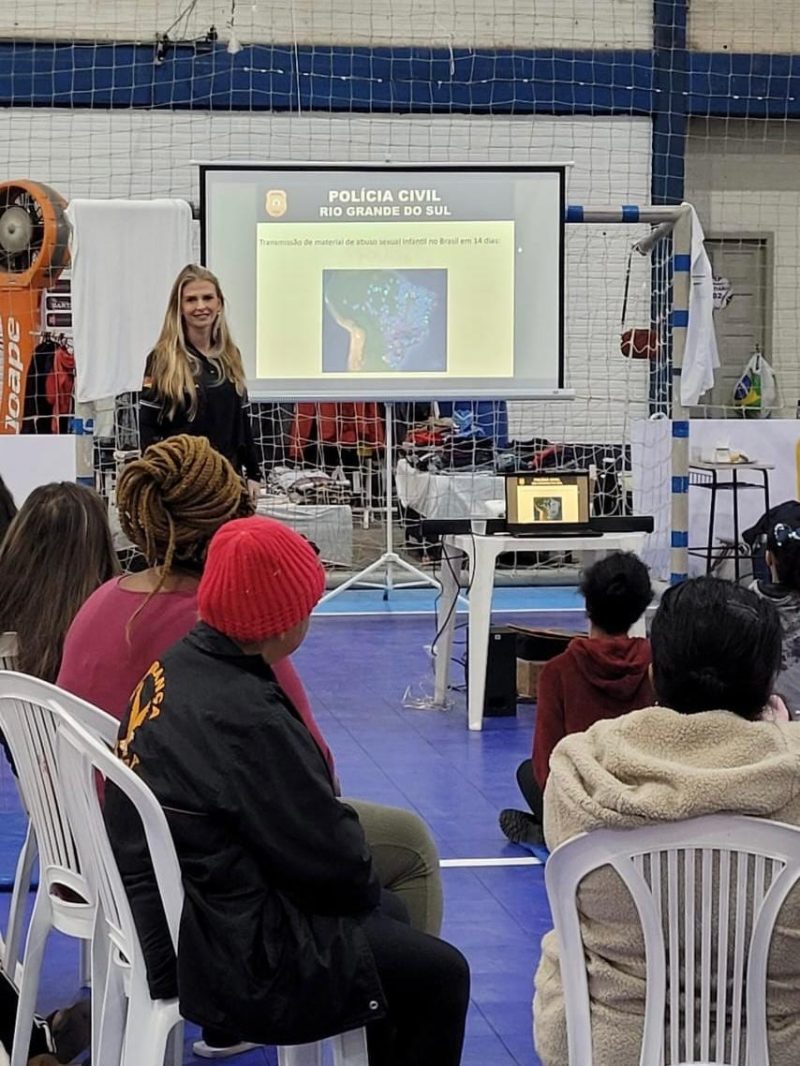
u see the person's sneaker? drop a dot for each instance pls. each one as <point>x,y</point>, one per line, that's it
<point>208,1051</point>
<point>71,1029</point>
<point>521,828</point>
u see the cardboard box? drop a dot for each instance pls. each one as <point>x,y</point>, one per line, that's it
<point>535,647</point>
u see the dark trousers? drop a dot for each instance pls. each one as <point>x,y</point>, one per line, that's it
<point>426,984</point>
<point>40,1034</point>
<point>534,796</point>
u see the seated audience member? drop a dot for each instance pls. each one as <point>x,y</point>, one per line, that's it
<point>716,650</point>
<point>286,937</point>
<point>171,502</point>
<point>602,676</point>
<point>783,559</point>
<point>56,552</point>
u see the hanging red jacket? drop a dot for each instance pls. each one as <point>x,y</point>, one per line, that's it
<point>60,384</point>
<point>347,424</point>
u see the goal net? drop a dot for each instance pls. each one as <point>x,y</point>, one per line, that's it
<point>119,98</point>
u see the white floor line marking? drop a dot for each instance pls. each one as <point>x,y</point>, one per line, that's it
<point>424,612</point>
<point>527,861</point>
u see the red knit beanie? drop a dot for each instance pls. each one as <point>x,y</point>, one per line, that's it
<point>260,579</point>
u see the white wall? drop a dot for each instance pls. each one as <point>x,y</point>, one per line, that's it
<point>490,23</point>
<point>29,461</point>
<point>744,25</point>
<point>714,25</point>
<point>774,442</point>
<point>744,178</point>
<point>145,154</point>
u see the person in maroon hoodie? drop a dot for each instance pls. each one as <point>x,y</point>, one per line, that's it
<point>600,676</point>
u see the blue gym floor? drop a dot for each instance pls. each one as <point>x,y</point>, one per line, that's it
<point>360,657</point>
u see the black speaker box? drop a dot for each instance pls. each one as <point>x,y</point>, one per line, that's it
<point>500,699</point>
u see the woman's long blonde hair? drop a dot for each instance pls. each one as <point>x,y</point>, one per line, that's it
<point>171,366</point>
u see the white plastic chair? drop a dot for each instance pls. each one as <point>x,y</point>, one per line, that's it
<point>145,1023</point>
<point>29,715</point>
<point>26,861</point>
<point>707,892</point>
<point>349,1049</point>
<point>133,1029</point>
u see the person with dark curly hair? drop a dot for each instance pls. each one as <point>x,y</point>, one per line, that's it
<point>600,676</point>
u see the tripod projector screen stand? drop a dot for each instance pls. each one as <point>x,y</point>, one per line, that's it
<point>388,561</point>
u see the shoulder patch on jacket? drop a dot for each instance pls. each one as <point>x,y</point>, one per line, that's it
<point>144,707</point>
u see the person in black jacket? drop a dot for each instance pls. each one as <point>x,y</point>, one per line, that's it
<point>286,937</point>
<point>194,379</point>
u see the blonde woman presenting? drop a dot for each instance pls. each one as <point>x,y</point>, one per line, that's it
<point>194,379</point>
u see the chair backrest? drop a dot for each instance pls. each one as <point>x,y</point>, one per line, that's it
<point>81,756</point>
<point>708,892</point>
<point>8,651</point>
<point>8,661</point>
<point>29,713</point>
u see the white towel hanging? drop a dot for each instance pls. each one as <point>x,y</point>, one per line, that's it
<point>125,256</point>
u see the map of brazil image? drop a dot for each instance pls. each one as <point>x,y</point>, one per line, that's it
<point>384,321</point>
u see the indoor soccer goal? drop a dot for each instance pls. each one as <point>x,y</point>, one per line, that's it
<point>646,104</point>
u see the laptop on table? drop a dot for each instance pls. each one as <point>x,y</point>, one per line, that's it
<point>548,503</point>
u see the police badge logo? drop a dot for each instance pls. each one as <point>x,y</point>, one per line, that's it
<point>276,203</point>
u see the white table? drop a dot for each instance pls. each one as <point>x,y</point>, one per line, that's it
<point>480,552</point>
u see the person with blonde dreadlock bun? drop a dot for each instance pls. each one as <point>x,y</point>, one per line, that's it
<point>171,502</point>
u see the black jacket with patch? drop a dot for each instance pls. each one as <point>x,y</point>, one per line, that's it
<point>223,417</point>
<point>277,873</point>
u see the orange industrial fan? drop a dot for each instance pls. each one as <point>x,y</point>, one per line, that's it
<point>34,249</point>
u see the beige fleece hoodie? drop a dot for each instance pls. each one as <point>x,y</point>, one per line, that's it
<point>646,767</point>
